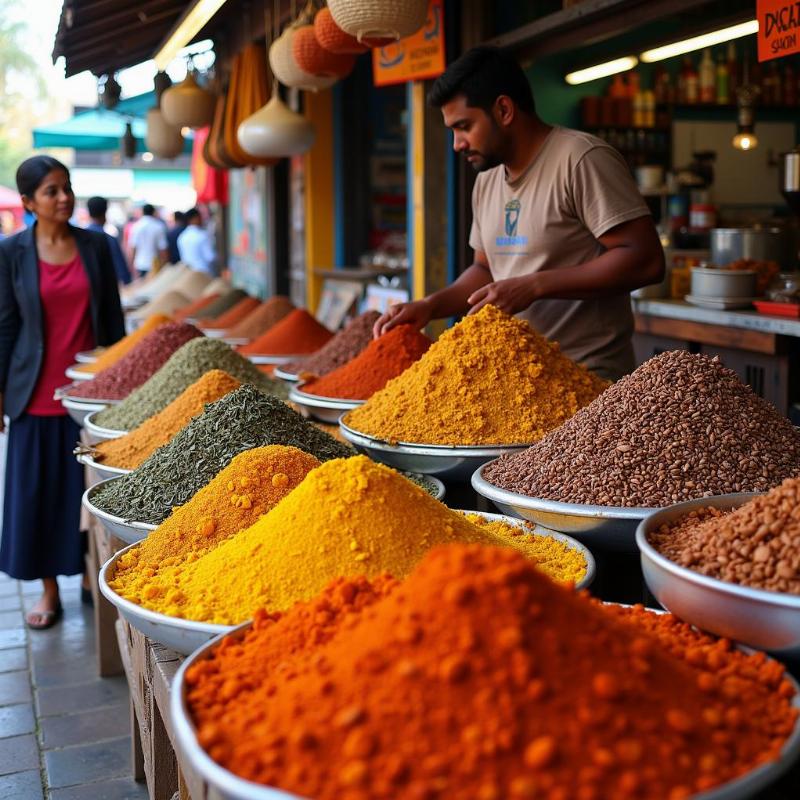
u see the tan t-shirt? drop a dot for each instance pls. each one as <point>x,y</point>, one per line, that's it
<point>576,189</point>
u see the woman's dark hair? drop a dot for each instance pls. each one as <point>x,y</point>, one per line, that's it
<point>32,171</point>
<point>482,75</point>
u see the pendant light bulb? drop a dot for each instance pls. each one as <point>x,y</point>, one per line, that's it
<point>275,131</point>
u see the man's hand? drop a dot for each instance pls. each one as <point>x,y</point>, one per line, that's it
<point>511,295</point>
<point>418,314</point>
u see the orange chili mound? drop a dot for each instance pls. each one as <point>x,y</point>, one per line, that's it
<point>383,359</point>
<point>479,677</point>
<point>295,334</point>
<point>233,315</point>
<point>198,305</point>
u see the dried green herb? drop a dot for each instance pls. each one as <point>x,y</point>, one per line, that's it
<point>243,419</point>
<point>187,365</point>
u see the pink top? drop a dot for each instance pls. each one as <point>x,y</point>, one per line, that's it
<point>67,327</point>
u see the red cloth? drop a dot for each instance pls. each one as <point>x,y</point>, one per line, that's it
<point>66,327</point>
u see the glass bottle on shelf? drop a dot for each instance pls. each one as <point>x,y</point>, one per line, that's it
<point>692,82</point>
<point>707,77</point>
<point>722,82</point>
<point>733,70</point>
<point>649,108</point>
<point>682,76</point>
<point>660,83</point>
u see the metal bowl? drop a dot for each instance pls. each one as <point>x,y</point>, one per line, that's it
<point>762,619</point>
<point>74,374</point>
<point>605,526</point>
<point>289,377</point>
<point>99,471</point>
<point>591,566</point>
<point>126,530</point>
<point>453,463</point>
<point>262,360</point>
<point>88,356</point>
<point>97,433</point>
<point>79,410</point>
<point>182,635</point>
<point>214,333</point>
<point>434,487</point>
<point>234,341</point>
<point>232,787</point>
<point>324,409</point>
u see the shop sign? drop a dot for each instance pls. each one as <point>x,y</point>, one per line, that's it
<point>415,58</point>
<point>778,28</point>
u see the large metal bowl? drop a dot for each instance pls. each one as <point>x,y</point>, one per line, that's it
<point>97,433</point>
<point>591,567</point>
<point>234,341</point>
<point>453,463</point>
<point>433,486</point>
<point>604,526</point>
<point>324,409</point>
<point>79,410</point>
<point>265,360</point>
<point>289,377</point>
<point>232,787</point>
<point>182,635</point>
<point>74,374</point>
<point>214,333</point>
<point>762,619</point>
<point>99,471</point>
<point>130,532</point>
<point>88,356</point>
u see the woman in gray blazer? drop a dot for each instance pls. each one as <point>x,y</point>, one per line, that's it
<point>58,296</point>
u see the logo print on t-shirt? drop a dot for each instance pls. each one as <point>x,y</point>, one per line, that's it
<point>511,221</point>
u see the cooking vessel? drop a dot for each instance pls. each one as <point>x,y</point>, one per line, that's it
<point>763,244</point>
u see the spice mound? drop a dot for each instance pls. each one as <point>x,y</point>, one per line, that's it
<point>187,312</point>
<point>246,489</point>
<point>295,334</point>
<point>114,353</point>
<point>132,370</point>
<point>478,677</point>
<point>347,517</point>
<point>489,380</point>
<point>243,419</point>
<point>186,366</point>
<point>262,318</point>
<point>344,346</point>
<point>232,315</point>
<point>380,361</point>
<point>226,301</point>
<point>680,427</point>
<point>756,545</point>
<point>128,451</point>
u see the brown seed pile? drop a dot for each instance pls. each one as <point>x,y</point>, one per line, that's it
<point>756,545</point>
<point>680,427</point>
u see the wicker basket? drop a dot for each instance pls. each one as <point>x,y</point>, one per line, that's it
<point>311,57</point>
<point>285,69</point>
<point>333,38</point>
<point>379,18</point>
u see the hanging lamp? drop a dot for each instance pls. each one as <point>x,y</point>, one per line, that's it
<point>111,92</point>
<point>285,68</point>
<point>333,38</point>
<point>162,139</point>
<point>127,144</point>
<point>311,57</point>
<point>379,18</point>
<point>275,131</point>
<point>188,104</point>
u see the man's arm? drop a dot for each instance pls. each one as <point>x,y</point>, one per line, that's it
<point>633,258</point>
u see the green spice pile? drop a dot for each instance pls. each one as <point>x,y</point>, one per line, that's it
<point>243,419</point>
<point>186,366</point>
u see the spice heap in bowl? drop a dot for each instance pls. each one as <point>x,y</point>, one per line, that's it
<point>489,380</point>
<point>232,316</point>
<point>479,677</point>
<point>349,517</point>
<point>239,421</point>
<point>296,334</point>
<point>679,427</point>
<point>262,318</point>
<point>185,367</point>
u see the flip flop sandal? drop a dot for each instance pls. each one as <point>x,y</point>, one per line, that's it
<point>50,618</point>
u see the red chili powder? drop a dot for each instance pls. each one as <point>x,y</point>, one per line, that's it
<point>233,316</point>
<point>383,359</point>
<point>296,333</point>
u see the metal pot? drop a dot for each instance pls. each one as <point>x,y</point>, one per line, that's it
<point>764,244</point>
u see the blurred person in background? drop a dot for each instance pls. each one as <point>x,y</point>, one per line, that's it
<point>196,245</point>
<point>58,296</point>
<point>97,208</point>
<point>178,227</point>
<point>148,242</point>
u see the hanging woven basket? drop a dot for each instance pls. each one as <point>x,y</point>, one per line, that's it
<point>162,139</point>
<point>333,38</point>
<point>311,57</point>
<point>188,104</point>
<point>285,68</point>
<point>367,19</point>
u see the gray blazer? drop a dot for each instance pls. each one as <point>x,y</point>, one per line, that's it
<point>21,332</point>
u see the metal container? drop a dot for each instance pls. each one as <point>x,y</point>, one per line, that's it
<point>761,619</point>
<point>74,374</point>
<point>124,529</point>
<point>452,463</point>
<point>433,486</point>
<point>789,178</point>
<point>79,410</point>
<point>763,244</point>
<point>89,356</point>
<point>100,472</point>
<point>97,433</point>
<point>182,635</point>
<point>289,377</point>
<point>264,360</point>
<point>602,526</point>
<point>324,409</point>
<point>723,284</point>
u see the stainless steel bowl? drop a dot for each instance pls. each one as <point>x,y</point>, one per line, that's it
<point>88,356</point>
<point>234,341</point>
<point>232,787</point>
<point>761,619</point>
<point>78,410</point>
<point>451,463</point>
<point>433,486</point>
<point>725,284</point>
<point>214,333</point>
<point>289,377</point>
<point>182,635</point>
<point>261,360</point>
<point>74,374</point>
<point>603,526</point>
<point>130,532</point>
<point>324,409</point>
<point>97,433</point>
<point>99,471</point>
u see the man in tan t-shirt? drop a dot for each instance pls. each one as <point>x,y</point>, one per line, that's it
<point>560,232</point>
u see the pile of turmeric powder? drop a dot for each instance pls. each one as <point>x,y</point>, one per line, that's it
<point>114,353</point>
<point>348,517</point>
<point>127,452</point>
<point>478,678</point>
<point>247,488</point>
<point>489,380</point>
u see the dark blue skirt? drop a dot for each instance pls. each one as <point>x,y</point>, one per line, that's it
<point>41,535</point>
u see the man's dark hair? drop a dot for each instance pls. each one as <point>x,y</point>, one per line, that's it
<point>191,214</point>
<point>178,216</point>
<point>148,210</point>
<point>482,75</point>
<point>97,207</point>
